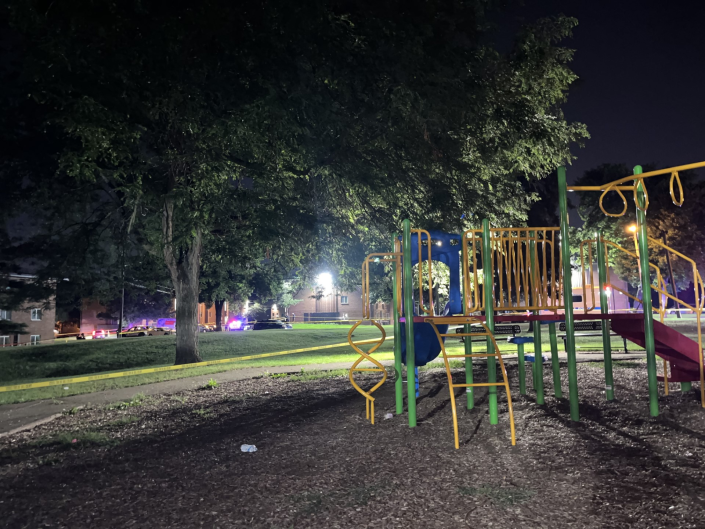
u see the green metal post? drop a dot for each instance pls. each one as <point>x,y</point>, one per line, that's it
<point>555,363</point>
<point>605,309</point>
<point>568,298</point>
<point>649,341</point>
<point>488,282</point>
<point>467,340</point>
<point>398,381</point>
<point>408,283</point>
<point>686,386</point>
<point>522,369</point>
<point>537,373</point>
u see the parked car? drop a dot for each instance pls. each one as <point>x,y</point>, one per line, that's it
<point>101,334</point>
<point>138,330</point>
<point>272,324</point>
<point>239,325</point>
<point>205,328</point>
<point>163,330</point>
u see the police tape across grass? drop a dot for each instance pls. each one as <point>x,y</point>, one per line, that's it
<point>132,372</point>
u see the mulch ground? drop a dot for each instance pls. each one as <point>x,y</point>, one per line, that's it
<point>175,461</point>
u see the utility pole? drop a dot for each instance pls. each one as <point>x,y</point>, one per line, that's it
<point>122,302</point>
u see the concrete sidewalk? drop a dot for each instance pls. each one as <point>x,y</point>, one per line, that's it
<point>25,415</point>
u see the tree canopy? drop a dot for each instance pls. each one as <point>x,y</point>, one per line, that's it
<point>311,127</point>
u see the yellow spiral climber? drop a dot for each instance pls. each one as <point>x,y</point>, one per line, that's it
<point>369,399</point>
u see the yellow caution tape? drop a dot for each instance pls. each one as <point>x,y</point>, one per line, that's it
<point>105,376</point>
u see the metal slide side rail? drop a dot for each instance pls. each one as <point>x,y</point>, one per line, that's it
<point>451,385</point>
<point>369,399</point>
<point>661,287</point>
<point>697,309</point>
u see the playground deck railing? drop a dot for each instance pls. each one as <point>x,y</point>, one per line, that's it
<point>527,268</point>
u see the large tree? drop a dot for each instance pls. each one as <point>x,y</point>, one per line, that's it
<point>354,113</point>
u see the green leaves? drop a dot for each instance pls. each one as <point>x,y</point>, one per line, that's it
<point>306,130</point>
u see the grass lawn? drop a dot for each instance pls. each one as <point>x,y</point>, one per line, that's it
<point>76,358</point>
<point>71,359</point>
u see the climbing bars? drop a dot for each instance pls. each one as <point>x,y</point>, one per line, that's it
<point>452,385</point>
<point>634,180</point>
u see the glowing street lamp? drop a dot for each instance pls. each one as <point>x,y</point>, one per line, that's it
<point>325,281</point>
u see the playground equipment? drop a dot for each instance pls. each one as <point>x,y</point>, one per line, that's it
<point>525,273</point>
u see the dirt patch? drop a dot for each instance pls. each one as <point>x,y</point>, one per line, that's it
<point>175,461</point>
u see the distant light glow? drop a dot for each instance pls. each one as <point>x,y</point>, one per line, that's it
<point>274,307</point>
<point>325,281</point>
<point>608,290</point>
<point>235,324</point>
<point>632,228</point>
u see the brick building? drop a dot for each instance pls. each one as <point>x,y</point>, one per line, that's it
<point>90,322</point>
<point>206,315</point>
<point>91,310</point>
<point>332,305</point>
<point>39,321</point>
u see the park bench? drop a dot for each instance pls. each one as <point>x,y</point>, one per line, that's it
<point>498,329</point>
<point>595,326</point>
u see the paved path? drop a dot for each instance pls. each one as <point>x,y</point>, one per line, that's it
<point>17,417</point>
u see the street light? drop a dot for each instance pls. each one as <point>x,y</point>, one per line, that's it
<point>325,281</point>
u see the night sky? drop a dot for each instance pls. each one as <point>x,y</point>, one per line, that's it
<point>641,91</point>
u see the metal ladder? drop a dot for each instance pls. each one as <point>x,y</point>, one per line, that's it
<point>369,399</point>
<point>465,321</point>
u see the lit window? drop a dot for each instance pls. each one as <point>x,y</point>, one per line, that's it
<point>36,314</point>
<point>34,339</point>
<point>5,314</point>
<point>343,300</point>
<point>4,340</point>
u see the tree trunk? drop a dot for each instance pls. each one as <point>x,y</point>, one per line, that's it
<point>219,314</point>
<point>187,320</point>
<point>184,264</point>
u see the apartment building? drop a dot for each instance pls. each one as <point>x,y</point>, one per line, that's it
<point>39,321</point>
